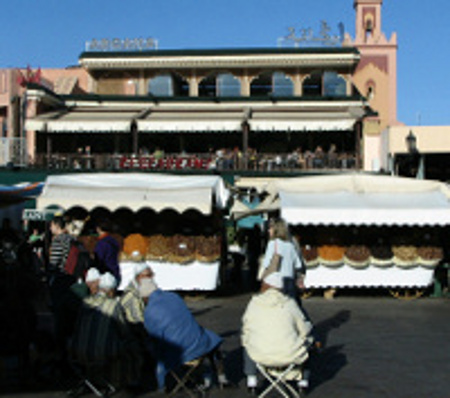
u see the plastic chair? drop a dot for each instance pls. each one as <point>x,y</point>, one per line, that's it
<point>278,378</point>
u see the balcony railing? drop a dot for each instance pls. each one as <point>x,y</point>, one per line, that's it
<point>200,161</point>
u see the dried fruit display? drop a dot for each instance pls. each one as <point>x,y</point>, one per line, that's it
<point>405,255</point>
<point>135,243</point>
<point>208,248</point>
<point>430,256</point>
<point>182,249</point>
<point>310,255</point>
<point>331,255</point>
<point>158,248</point>
<point>357,255</point>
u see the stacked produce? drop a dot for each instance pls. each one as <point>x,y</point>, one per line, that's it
<point>405,255</point>
<point>357,256</point>
<point>207,248</point>
<point>135,247</point>
<point>310,255</point>
<point>382,255</point>
<point>158,248</point>
<point>331,255</point>
<point>429,256</point>
<point>182,249</point>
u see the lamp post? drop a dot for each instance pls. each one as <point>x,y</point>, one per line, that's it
<point>413,165</point>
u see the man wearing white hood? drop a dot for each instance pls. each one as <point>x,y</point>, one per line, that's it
<point>133,307</point>
<point>131,302</point>
<point>275,332</point>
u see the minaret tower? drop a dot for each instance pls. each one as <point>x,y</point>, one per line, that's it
<point>376,74</point>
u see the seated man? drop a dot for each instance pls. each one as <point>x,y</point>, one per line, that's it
<point>275,332</point>
<point>133,308</point>
<point>101,334</point>
<point>176,335</point>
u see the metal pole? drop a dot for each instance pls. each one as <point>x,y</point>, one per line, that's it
<point>245,133</point>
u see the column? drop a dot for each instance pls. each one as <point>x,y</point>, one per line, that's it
<point>193,86</point>
<point>245,86</point>
<point>142,86</point>
<point>30,134</point>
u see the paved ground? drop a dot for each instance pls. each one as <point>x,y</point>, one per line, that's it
<point>373,346</point>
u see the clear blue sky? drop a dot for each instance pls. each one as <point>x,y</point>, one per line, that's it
<point>52,33</point>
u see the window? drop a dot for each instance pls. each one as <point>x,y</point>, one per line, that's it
<point>262,85</point>
<point>334,85</point>
<point>282,86</point>
<point>228,86</point>
<point>312,85</point>
<point>161,86</point>
<point>207,87</point>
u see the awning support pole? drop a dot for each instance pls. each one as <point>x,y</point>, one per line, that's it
<point>134,137</point>
<point>245,133</point>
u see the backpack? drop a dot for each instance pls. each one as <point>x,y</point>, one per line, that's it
<point>78,260</point>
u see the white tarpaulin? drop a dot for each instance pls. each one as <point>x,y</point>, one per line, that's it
<point>134,191</point>
<point>354,199</point>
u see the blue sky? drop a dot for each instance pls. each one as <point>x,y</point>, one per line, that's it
<point>52,33</point>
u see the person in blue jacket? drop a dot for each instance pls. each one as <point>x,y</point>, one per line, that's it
<point>176,336</point>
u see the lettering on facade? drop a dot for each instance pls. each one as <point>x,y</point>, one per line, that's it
<point>139,44</point>
<point>305,36</point>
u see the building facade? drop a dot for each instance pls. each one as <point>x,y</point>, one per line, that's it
<point>309,107</point>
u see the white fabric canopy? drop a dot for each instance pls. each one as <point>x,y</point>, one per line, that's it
<point>134,191</point>
<point>302,125</point>
<point>363,200</point>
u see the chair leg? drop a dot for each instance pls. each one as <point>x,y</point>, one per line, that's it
<point>181,382</point>
<point>278,382</point>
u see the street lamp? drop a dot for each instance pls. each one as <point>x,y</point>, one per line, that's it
<point>411,142</point>
<point>412,165</point>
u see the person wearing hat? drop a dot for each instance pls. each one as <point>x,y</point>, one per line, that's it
<point>92,280</point>
<point>177,337</point>
<point>131,301</point>
<point>133,308</point>
<point>107,285</point>
<point>288,338</point>
<point>102,335</point>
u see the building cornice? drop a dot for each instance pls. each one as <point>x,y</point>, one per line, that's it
<point>345,57</point>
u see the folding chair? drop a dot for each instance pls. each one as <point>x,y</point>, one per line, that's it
<point>92,377</point>
<point>278,378</point>
<point>186,379</point>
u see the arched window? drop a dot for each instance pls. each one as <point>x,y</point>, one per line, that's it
<point>312,85</point>
<point>228,85</point>
<point>161,86</point>
<point>207,87</point>
<point>334,85</point>
<point>282,85</point>
<point>262,85</point>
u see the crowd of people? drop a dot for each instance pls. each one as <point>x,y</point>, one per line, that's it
<point>138,336</point>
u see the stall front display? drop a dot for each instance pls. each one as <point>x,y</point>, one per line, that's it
<point>179,262</point>
<point>365,230</point>
<point>173,223</point>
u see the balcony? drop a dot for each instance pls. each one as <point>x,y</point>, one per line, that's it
<point>232,161</point>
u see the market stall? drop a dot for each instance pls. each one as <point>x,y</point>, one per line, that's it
<point>174,223</point>
<point>367,230</point>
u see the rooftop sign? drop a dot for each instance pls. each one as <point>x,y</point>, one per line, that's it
<point>138,44</point>
<point>306,36</point>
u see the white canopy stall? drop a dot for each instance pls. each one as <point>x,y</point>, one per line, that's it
<point>368,201</point>
<point>137,191</point>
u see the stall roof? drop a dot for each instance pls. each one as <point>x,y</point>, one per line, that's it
<point>356,199</point>
<point>134,191</point>
<point>19,193</point>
